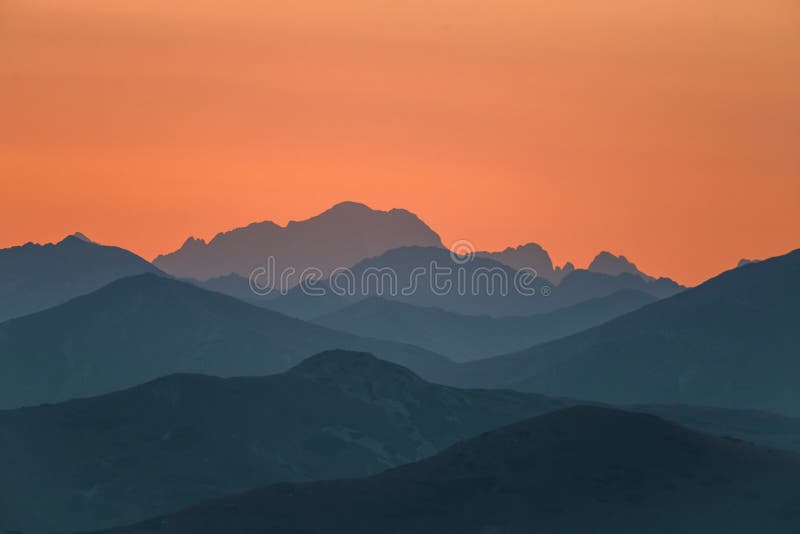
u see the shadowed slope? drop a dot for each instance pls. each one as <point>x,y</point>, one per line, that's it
<point>183,439</point>
<point>143,327</point>
<point>732,341</point>
<point>35,277</point>
<point>577,470</point>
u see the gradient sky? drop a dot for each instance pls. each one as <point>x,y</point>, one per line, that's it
<point>665,130</point>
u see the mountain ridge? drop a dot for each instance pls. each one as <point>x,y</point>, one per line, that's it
<point>570,471</point>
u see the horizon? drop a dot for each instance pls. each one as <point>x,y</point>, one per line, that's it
<point>556,263</point>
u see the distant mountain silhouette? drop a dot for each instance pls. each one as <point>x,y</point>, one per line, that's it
<point>533,256</point>
<point>337,238</point>
<point>139,328</point>
<point>401,263</point>
<point>35,277</point>
<point>732,341</point>
<point>608,263</point>
<point>577,470</point>
<point>183,439</point>
<point>580,285</point>
<point>467,337</point>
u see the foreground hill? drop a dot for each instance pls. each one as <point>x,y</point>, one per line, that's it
<point>143,327</point>
<point>467,337</point>
<point>183,439</point>
<point>574,471</point>
<point>732,342</point>
<point>337,238</point>
<point>35,277</point>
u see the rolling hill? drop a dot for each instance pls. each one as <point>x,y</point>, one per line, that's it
<point>576,470</point>
<point>730,342</point>
<point>140,328</point>
<point>183,439</point>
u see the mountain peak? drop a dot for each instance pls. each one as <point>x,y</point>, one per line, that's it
<point>82,237</point>
<point>77,237</point>
<point>192,242</point>
<point>608,263</point>
<point>358,374</point>
<point>350,205</point>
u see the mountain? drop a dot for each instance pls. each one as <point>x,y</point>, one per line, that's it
<point>421,276</point>
<point>730,342</point>
<point>140,328</point>
<point>235,286</point>
<point>532,256</point>
<point>472,285</point>
<point>337,238</point>
<point>35,277</point>
<point>183,439</point>
<point>581,469</point>
<point>607,263</point>
<point>468,337</point>
<point>580,285</point>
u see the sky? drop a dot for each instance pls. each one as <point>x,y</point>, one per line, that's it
<point>664,130</point>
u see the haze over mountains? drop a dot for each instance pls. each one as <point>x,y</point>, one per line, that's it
<point>349,235</point>
<point>35,277</point>
<point>117,402</point>
<point>577,470</point>
<point>732,341</point>
<point>432,277</point>
<point>467,337</point>
<point>143,327</point>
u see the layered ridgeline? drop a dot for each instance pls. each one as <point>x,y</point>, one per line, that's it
<point>143,327</point>
<point>183,439</point>
<point>732,341</point>
<point>573,471</point>
<point>339,237</point>
<point>467,337</point>
<point>433,277</point>
<point>35,277</point>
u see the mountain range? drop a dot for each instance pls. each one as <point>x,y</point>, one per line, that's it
<point>433,277</point>
<point>143,327</point>
<point>338,237</point>
<point>730,342</point>
<point>577,470</point>
<point>183,439</point>
<point>468,337</point>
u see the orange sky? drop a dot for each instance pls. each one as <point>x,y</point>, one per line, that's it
<point>666,130</point>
